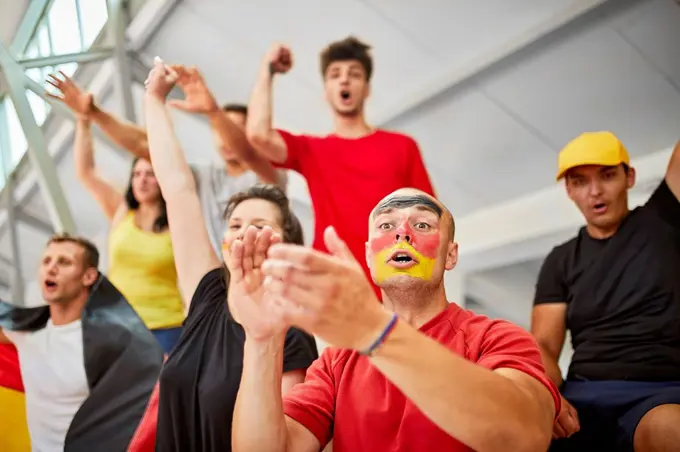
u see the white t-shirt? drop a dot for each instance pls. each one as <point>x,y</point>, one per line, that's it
<point>53,371</point>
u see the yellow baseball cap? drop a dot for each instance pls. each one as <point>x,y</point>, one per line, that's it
<point>592,148</point>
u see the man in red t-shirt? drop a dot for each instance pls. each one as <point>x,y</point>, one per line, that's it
<point>351,169</point>
<point>417,373</point>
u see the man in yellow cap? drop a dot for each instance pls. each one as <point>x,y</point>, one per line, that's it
<point>616,288</point>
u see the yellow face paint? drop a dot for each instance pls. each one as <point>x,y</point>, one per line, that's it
<point>383,270</point>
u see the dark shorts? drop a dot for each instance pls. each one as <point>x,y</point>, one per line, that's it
<point>609,412</point>
<point>167,338</point>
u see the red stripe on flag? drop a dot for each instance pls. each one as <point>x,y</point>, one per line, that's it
<point>10,373</point>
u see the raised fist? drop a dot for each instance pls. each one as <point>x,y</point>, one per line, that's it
<point>279,59</point>
<point>161,80</point>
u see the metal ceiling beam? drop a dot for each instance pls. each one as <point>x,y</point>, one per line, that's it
<point>17,284</point>
<point>5,260</point>
<point>53,193</point>
<point>34,222</point>
<point>122,76</point>
<point>144,26</point>
<point>457,75</point>
<point>79,57</point>
<point>29,23</point>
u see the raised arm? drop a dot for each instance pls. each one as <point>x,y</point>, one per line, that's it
<point>124,134</point>
<point>264,138</point>
<point>199,99</point>
<point>259,422</point>
<point>259,403</point>
<point>194,255</point>
<point>110,200</point>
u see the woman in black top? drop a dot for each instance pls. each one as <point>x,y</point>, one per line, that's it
<point>200,380</point>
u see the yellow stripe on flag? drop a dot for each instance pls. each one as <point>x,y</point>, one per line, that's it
<point>13,428</point>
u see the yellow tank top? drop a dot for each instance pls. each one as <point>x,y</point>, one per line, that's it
<point>142,267</point>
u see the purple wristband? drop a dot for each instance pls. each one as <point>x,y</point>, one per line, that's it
<point>378,342</point>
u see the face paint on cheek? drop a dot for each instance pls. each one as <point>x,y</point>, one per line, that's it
<point>383,268</point>
<point>427,244</point>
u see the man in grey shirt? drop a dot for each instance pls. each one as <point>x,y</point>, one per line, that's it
<point>215,183</point>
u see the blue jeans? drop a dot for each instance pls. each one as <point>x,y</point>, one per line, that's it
<point>167,337</point>
<point>609,412</point>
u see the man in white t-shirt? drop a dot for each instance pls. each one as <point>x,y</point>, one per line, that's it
<point>215,183</point>
<point>86,341</point>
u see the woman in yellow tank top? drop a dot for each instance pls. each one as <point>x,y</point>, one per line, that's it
<point>141,260</point>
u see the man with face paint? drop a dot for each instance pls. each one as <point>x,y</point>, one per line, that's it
<point>616,288</point>
<point>351,169</point>
<point>417,373</point>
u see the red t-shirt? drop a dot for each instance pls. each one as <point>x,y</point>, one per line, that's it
<point>347,399</point>
<point>348,177</point>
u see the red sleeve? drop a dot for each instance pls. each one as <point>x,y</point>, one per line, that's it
<point>296,151</point>
<point>506,345</point>
<point>312,403</point>
<point>144,439</point>
<point>418,177</point>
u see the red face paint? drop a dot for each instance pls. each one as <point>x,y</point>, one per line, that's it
<point>425,242</point>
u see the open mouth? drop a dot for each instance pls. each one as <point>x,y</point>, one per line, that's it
<point>345,95</point>
<point>49,284</point>
<point>600,207</point>
<point>402,258</point>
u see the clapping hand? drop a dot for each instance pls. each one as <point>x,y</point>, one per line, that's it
<point>248,303</point>
<point>326,295</point>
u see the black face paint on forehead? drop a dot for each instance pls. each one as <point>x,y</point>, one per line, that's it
<point>402,202</point>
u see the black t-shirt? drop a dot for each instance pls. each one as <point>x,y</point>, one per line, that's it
<point>200,380</point>
<point>623,295</point>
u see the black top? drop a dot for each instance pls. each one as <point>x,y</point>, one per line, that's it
<point>201,377</point>
<point>623,295</point>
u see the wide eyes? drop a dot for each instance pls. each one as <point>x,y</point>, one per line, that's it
<point>421,226</point>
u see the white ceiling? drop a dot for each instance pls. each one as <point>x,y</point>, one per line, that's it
<point>11,13</point>
<point>486,140</point>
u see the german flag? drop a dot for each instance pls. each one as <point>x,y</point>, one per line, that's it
<point>13,428</point>
<point>122,362</point>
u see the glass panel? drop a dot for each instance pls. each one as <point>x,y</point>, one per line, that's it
<point>32,50</point>
<point>63,21</point>
<point>93,14</point>
<point>69,68</point>
<point>38,106</point>
<point>36,74</point>
<point>43,39</point>
<point>17,139</point>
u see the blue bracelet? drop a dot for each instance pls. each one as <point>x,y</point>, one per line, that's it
<point>378,342</point>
